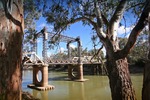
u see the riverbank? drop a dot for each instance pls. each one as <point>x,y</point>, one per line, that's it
<point>135,69</point>
<point>28,96</point>
<point>97,70</point>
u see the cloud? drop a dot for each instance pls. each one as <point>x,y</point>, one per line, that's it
<point>124,31</point>
<point>42,25</point>
<point>72,46</point>
<point>38,41</point>
<point>147,27</point>
<point>25,29</point>
<point>49,27</point>
<point>61,50</point>
<point>49,53</point>
<point>104,51</point>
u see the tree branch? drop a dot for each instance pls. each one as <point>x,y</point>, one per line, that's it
<point>103,18</point>
<point>114,21</point>
<point>135,5</point>
<point>99,28</point>
<point>149,36</point>
<point>119,12</point>
<point>103,36</point>
<point>90,21</point>
<point>96,53</point>
<point>98,15</point>
<point>134,33</point>
<point>80,19</point>
<point>58,32</point>
<point>74,21</point>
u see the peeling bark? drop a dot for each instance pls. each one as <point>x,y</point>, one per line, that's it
<point>118,72</point>
<point>149,36</point>
<point>146,75</point>
<point>11,33</point>
<point>146,82</point>
<point>119,79</point>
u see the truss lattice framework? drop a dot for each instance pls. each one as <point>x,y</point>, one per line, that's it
<point>62,38</point>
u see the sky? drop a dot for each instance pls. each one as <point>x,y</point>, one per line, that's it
<point>75,30</point>
<point>84,32</point>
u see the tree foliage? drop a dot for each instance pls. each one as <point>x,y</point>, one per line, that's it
<point>71,11</point>
<point>105,17</point>
<point>140,51</point>
<point>32,11</point>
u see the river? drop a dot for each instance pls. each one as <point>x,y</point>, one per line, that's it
<point>95,88</point>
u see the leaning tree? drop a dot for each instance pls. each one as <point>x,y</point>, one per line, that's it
<point>146,76</point>
<point>105,16</point>
<point>11,34</point>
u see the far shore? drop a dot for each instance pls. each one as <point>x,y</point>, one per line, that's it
<point>92,70</point>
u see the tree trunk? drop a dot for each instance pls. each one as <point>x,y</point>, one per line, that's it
<point>146,75</point>
<point>119,79</point>
<point>11,34</point>
<point>149,35</point>
<point>146,82</point>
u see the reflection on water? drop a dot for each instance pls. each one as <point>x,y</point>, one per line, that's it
<point>96,88</point>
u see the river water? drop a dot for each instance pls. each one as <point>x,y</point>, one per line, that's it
<point>95,88</point>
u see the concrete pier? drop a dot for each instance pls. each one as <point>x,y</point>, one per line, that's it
<point>43,83</point>
<point>75,72</point>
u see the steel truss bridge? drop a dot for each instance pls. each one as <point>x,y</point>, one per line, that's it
<point>39,65</point>
<point>32,57</point>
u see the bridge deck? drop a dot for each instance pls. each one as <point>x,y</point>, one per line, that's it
<point>32,64</point>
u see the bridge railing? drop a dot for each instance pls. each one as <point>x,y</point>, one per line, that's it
<point>85,59</point>
<point>32,57</point>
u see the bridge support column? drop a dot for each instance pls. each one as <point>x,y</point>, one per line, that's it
<point>40,84</point>
<point>75,72</point>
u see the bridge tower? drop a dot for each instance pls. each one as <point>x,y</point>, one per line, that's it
<point>41,67</point>
<point>77,68</point>
<point>45,37</point>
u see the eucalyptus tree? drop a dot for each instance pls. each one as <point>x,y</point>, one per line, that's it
<point>11,35</point>
<point>146,76</point>
<point>105,16</point>
<point>32,12</point>
<point>140,50</point>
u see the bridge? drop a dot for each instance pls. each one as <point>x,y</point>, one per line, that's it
<point>41,65</point>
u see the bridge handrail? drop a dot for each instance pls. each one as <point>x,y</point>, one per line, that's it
<point>35,55</point>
